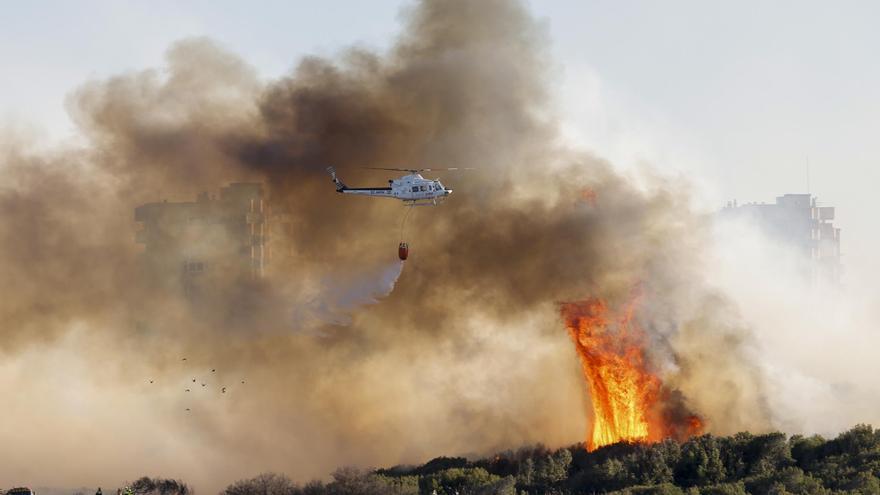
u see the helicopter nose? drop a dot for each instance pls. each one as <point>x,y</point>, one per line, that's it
<point>447,192</point>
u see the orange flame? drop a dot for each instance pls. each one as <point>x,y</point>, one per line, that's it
<point>589,196</point>
<point>625,395</point>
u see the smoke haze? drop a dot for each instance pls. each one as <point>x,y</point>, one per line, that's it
<point>346,356</point>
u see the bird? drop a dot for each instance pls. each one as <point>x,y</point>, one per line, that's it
<point>184,359</point>
<point>242,381</point>
<point>187,409</point>
<point>187,390</point>
<point>203,384</point>
<point>194,380</point>
<point>223,391</point>
<point>151,381</point>
<point>213,370</point>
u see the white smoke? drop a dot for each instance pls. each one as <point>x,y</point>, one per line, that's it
<point>814,343</point>
<point>334,298</point>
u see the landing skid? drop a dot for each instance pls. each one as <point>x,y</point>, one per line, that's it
<point>416,203</point>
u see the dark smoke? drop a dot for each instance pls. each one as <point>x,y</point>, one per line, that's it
<point>466,355</point>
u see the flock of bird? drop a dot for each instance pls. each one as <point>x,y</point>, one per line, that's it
<point>204,384</point>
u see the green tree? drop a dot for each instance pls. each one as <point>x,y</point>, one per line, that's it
<point>767,453</point>
<point>460,481</point>
<point>526,473</point>
<point>789,480</point>
<point>863,483</point>
<point>353,481</point>
<point>700,463</point>
<point>553,468</point>
<point>662,489</point>
<point>650,465</point>
<point>504,486</point>
<point>806,451</point>
<point>737,488</point>
<point>858,440</point>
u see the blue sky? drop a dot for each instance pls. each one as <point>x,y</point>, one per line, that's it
<point>737,96</point>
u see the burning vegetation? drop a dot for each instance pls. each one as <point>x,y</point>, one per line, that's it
<point>628,400</point>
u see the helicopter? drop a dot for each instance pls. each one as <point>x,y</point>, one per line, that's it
<point>412,189</point>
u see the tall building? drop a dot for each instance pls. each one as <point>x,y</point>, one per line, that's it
<point>798,221</point>
<point>194,246</point>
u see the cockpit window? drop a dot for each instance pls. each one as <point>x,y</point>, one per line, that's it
<point>422,188</point>
<point>415,189</point>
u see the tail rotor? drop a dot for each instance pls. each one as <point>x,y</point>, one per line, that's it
<point>340,186</point>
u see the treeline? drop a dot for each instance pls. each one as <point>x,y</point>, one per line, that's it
<point>708,465</point>
<point>156,486</point>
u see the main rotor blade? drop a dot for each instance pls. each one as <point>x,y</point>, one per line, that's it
<point>414,170</point>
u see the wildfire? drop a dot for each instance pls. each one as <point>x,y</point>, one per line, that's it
<point>626,397</point>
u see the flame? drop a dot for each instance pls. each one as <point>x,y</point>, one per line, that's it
<point>589,196</point>
<point>694,425</point>
<point>626,397</point>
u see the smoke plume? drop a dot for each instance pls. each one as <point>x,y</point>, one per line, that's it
<point>325,360</point>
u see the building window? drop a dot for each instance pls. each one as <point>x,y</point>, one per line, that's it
<point>194,266</point>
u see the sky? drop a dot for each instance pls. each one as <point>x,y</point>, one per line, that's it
<point>748,100</point>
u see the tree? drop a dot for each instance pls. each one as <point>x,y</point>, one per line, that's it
<point>158,486</point>
<point>700,463</point>
<point>263,484</point>
<point>767,453</point>
<point>787,480</point>
<point>353,481</point>
<point>457,480</point>
<point>663,489</point>
<point>611,474</point>
<point>858,440</point>
<point>504,486</point>
<point>650,466</point>
<point>863,483</point>
<point>526,473</point>
<point>552,468</point>
<point>806,451</point>
<point>737,488</point>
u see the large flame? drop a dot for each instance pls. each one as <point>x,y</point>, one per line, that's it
<point>625,395</point>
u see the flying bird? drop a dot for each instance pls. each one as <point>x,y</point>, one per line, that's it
<point>151,381</point>
<point>223,391</point>
<point>203,384</point>
<point>194,380</point>
<point>213,370</point>
<point>184,359</point>
<point>187,390</point>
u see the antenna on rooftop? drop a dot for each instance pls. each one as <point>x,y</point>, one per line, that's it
<point>808,175</point>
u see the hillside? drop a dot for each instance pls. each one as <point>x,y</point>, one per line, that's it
<point>743,463</point>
